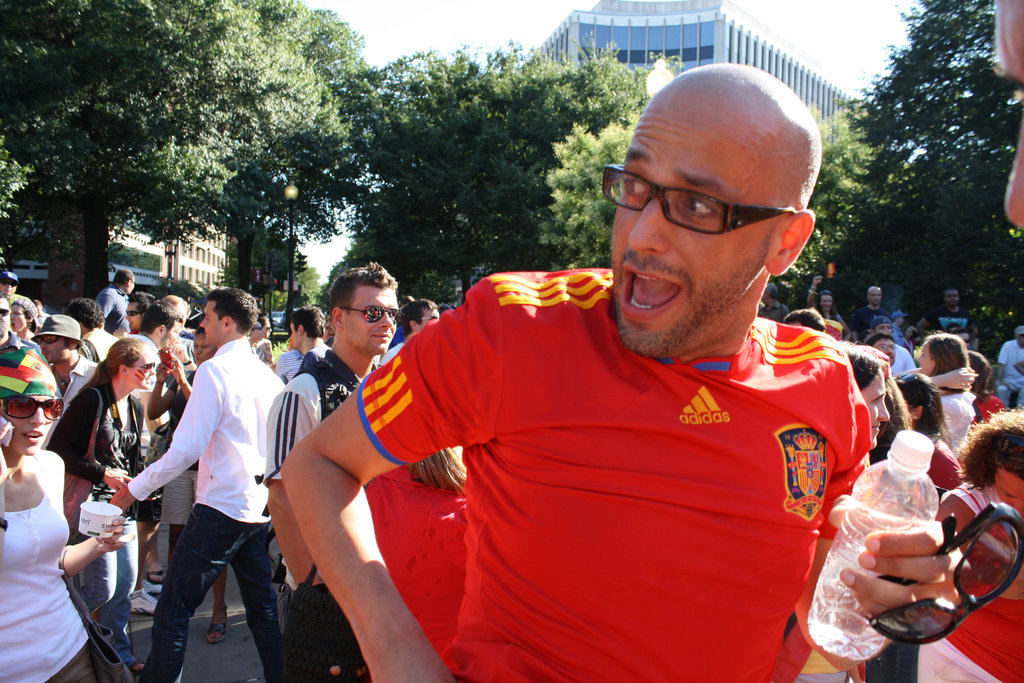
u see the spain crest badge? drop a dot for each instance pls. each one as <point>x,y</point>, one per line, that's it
<point>806,469</point>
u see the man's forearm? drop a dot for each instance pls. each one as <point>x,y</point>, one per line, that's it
<point>286,530</point>
<point>334,517</point>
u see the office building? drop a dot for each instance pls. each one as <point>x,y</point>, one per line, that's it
<point>696,32</point>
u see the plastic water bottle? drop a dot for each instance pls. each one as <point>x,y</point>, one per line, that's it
<point>890,495</point>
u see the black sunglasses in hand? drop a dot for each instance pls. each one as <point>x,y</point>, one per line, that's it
<point>992,551</point>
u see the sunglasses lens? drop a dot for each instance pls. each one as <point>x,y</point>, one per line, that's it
<point>373,313</point>
<point>26,407</point>
<point>53,408</point>
<point>20,407</point>
<point>920,622</point>
<point>989,560</point>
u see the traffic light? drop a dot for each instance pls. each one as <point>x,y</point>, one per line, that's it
<point>300,262</point>
<point>278,285</point>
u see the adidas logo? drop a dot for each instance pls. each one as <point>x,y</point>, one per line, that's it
<point>703,410</point>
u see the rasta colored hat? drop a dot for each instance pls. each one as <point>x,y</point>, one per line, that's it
<point>23,372</point>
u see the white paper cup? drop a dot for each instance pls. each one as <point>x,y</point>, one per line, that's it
<point>97,518</point>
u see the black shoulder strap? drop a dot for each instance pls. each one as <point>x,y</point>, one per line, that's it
<point>320,371</point>
<point>333,389</point>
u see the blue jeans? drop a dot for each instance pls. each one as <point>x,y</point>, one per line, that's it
<point>107,583</point>
<point>210,541</point>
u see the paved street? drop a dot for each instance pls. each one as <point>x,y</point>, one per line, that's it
<point>233,659</point>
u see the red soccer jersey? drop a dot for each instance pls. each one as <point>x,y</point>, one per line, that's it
<point>630,518</point>
<point>420,532</point>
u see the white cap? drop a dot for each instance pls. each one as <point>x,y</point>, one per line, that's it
<point>912,451</point>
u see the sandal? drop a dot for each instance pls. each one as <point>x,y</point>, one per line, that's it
<point>156,577</point>
<point>216,633</point>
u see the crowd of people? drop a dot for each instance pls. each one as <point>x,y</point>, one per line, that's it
<point>594,474</point>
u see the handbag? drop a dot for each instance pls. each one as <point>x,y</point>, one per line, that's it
<point>77,489</point>
<point>318,643</point>
<point>160,441</point>
<point>105,661</point>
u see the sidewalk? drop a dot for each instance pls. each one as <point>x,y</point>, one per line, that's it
<point>233,659</point>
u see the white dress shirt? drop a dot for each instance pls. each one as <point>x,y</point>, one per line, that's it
<point>224,427</point>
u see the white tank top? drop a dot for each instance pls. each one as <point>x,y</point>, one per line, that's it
<point>40,629</point>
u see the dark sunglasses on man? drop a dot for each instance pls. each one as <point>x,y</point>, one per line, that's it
<point>992,552</point>
<point>22,407</point>
<point>372,314</point>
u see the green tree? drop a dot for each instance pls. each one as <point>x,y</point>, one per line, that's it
<point>299,137</point>
<point>132,113</point>
<point>12,178</point>
<point>942,126</point>
<point>838,197</point>
<point>579,229</point>
<point>456,152</point>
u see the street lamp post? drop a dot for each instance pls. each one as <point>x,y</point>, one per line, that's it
<point>659,77</point>
<point>291,193</point>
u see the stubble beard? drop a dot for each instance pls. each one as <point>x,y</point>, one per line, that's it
<point>697,328</point>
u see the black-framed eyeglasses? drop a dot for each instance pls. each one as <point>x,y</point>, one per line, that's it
<point>1010,447</point>
<point>372,314</point>
<point>132,314</point>
<point>685,208</point>
<point>147,367</point>
<point>990,562</point>
<point>22,407</point>
<point>47,338</point>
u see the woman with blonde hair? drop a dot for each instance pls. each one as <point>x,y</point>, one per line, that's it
<point>940,354</point>
<point>99,439</point>
<point>419,518</point>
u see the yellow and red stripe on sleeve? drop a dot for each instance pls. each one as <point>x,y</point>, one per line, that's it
<point>583,289</point>
<point>806,345</point>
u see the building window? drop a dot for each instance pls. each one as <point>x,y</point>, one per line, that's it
<point>604,37</point>
<point>638,45</point>
<point>620,36</point>
<point>587,38</point>
<point>707,42</point>
<point>689,46</point>
<point>656,39</point>
<point>673,40</point>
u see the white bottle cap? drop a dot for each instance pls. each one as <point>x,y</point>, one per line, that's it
<point>912,451</point>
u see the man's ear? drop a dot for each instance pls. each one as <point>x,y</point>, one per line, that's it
<point>790,235</point>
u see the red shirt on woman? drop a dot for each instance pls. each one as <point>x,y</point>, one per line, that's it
<point>420,533</point>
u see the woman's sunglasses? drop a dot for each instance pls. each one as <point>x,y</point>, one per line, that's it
<point>990,562</point>
<point>22,407</point>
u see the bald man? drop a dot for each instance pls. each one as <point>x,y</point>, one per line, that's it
<point>1010,48</point>
<point>651,468</point>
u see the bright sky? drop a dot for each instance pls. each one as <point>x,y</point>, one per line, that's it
<point>850,40</point>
